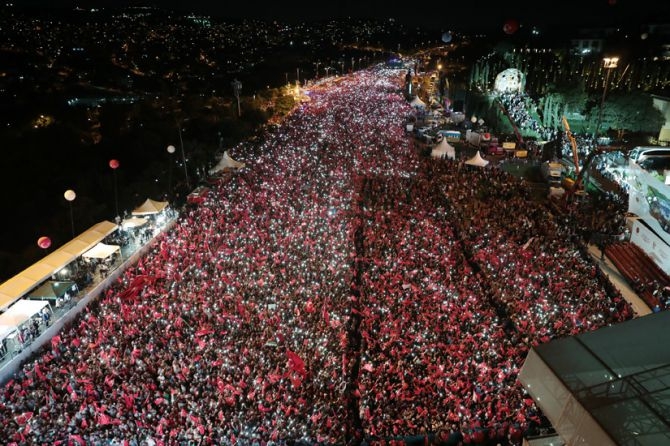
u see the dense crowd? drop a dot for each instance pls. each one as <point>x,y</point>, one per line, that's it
<point>339,289</point>
<point>516,106</point>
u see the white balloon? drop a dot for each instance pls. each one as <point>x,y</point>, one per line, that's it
<point>70,195</point>
<point>171,148</point>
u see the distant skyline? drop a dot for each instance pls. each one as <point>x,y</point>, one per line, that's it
<point>443,15</point>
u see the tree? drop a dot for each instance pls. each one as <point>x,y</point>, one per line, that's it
<point>630,112</point>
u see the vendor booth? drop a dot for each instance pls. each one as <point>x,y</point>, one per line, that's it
<point>52,290</point>
<point>12,320</point>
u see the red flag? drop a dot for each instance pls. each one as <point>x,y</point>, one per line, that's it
<point>78,439</point>
<point>296,363</point>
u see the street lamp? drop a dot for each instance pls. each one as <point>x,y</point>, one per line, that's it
<point>70,195</point>
<point>237,89</point>
<point>183,156</point>
<point>609,63</point>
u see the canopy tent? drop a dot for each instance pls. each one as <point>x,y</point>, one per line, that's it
<point>17,286</point>
<point>51,290</point>
<point>417,103</point>
<point>225,163</point>
<point>18,314</point>
<point>477,160</point>
<point>150,207</point>
<point>443,150</point>
<point>101,251</point>
<point>133,222</point>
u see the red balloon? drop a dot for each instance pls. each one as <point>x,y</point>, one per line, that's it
<point>44,242</point>
<point>114,164</point>
<point>511,26</point>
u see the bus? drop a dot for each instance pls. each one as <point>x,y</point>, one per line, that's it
<point>451,135</point>
<point>640,154</point>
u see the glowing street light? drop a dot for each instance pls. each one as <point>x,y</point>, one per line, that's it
<point>609,63</point>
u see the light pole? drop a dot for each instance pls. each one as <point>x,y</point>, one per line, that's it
<point>237,89</point>
<point>317,63</point>
<point>183,156</point>
<point>70,195</point>
<point>609,63</point>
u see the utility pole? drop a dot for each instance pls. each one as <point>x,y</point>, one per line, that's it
<point>237,89</point>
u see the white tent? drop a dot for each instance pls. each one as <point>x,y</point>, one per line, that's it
<point>226,162</point>
<point>417,103</point>
<point>18,314</point>
<point>133,222</point>
<point>101,251</point>
<point>477,160</point>
<point>150,207</point>
<point>443,150</point>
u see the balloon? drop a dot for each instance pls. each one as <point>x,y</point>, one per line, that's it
<point>511,26</point>
<point>69,195</point>
<point>446,37</point>
<point>171,149</point>
<point>644,36</point>
<point>114,164</point>
<point>473,119</point>
<point>44,242</point>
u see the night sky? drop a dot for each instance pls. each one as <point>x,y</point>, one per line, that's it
<point>443,14</point>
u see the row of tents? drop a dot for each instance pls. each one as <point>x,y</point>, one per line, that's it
<point>23,296</point>
<point>445,150</point>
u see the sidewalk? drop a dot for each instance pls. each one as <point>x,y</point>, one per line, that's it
<point>640,308</point>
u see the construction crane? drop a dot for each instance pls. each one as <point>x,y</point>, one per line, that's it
<point>573,143</point>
